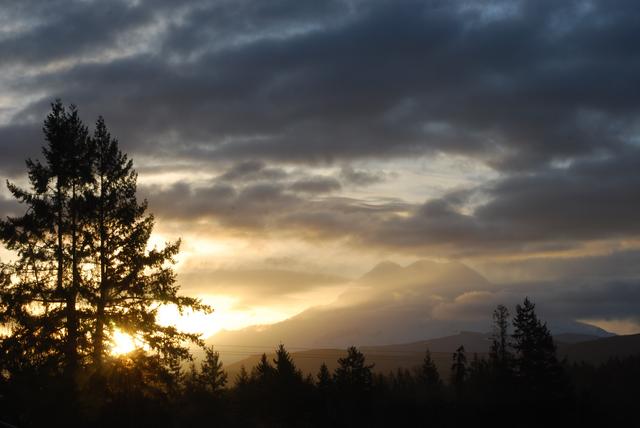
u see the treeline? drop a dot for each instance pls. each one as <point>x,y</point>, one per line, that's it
<point>520,383</point>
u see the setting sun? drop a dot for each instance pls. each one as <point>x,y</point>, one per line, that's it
<point>123,343</point>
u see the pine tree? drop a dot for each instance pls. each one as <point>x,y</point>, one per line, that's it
<point>285,369</point>
<point>537,366</point>
<point>459,370</point>
<point>82,267</point>
<point>323,378</point>
<point>263,372</point>
<point>352,372</point>
<point>429,374</point>
<point>500,354</point>
<point>212,376</point>
<point>42,305</point>
<point>242,378</point>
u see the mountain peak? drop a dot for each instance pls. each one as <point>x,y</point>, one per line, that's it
<point>383,268</point>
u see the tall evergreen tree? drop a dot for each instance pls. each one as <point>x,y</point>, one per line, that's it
<point>42,307</point>
<point>130,281</point>
<point>83,267</point>
<point>323,379</point>
<point>537,366</point>
<point>352,372</point>
<point>500,353</point>
<point>212,376</point>
<point>263,372</point>
<point>459,370</point>
<point>285,368</point>
<point>429,374</point>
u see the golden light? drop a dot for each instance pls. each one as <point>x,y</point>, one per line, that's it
<point>122,343</point>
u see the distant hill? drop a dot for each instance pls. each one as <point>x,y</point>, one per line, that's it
<point>600,350</point>
<point>389,358</point>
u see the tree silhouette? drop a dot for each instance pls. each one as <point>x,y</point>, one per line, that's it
<point>500,354</point>
<point>83,268</point>
<point>323,379</point>
<point>459,370</point>
<point>536,364</point>
<point>263,372</point>
<point>285,369</point>
<point>429,375</point>
<point>352,372</point>
<point>212,376</point>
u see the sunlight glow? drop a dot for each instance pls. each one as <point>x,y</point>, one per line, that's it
<point>123,343</point>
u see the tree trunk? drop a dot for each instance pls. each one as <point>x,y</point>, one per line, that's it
<point>72,362</point>
<point>98,341</point>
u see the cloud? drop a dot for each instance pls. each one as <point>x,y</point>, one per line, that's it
<point>316,185</point>
<point>555,207</point>
<point>256,286</point>
<point>301,82</point>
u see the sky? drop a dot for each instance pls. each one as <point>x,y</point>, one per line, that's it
<point>294,144</point>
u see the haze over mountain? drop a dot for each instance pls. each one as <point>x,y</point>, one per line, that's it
<point>393,304</point>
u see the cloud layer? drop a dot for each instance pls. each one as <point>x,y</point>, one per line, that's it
<point>297,119</point>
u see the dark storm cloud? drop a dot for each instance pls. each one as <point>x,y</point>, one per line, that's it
<point>68,30</point>
<point>524,86</point>
<point>518,84</point>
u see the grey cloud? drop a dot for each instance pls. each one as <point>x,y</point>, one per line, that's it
<point>588,200</point>
<point>347,80</point>
<point>316,185</point>
<point>62,30</point>
<point>360,177</point>
<point>252,170</point>
<point>555,302</point>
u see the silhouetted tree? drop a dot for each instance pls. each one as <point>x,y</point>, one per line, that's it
<point>536,364</point>
<point>83,267</point>
<point>459,370</point>
<point>353,382</point>
<point>48,240</point>
<point>323,378</point>
<point>263,372</point>
<point>212,376</point>
<point>501,358</point>
<point>284,367</point>
<point>500,353</point>
<point>352,372</point>
<point>429,375</point>
<point>242,378</point>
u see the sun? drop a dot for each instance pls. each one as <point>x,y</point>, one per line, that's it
<point>122,343</point>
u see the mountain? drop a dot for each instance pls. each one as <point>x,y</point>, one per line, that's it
<point>389,304</point>
<point>600,350</point>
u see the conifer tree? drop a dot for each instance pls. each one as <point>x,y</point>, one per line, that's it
<point>537,366</point>
<point>285,368</point>
<point>323,378</point>
<point>352,372</point>
<point>41,306</point>
<point>429,374</point>
<point>242,378</point>
<point>83,268</point>
<point>459,369</point>
<point>500,354</point>
<point>212,376</point>
<point>263,372</point>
